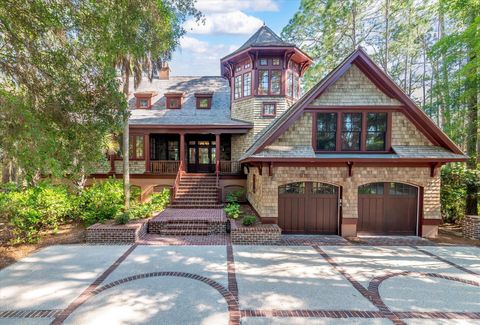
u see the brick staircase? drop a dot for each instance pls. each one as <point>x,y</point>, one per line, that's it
<point>196,191</point>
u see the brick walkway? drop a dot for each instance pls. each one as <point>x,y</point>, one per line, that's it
<point>210,215</point>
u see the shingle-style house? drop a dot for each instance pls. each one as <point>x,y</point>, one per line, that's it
<point>353,155</point>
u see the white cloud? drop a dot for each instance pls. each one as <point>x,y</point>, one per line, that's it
<point>209,6</point>
<point>233,22</point>
<point>194,45</point>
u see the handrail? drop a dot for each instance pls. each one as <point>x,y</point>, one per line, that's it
<point>177,179</point>
<point>217,172</point>
<point>230,167</point>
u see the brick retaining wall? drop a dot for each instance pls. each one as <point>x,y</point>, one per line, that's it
<point>260,234</point>
<point>111,233</point>
<point>471,227</point>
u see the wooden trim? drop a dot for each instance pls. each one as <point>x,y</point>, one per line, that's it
<point>431,222</point>
<point>146,150</point>
<point>337,108</point>
<point>319,161</point>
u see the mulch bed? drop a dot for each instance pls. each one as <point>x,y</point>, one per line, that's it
<point>72,233</point>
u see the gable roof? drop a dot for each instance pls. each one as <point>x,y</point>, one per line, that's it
<point>360,58</point>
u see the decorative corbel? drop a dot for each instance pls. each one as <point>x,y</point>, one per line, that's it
<point>260,169</point>
<point>270,169</point>
<point>434,169</point>
<point>350,168</point>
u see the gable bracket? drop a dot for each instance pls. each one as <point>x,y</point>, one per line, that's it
<point>350,168</point>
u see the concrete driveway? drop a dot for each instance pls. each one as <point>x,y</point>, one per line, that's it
<point>221,284</point>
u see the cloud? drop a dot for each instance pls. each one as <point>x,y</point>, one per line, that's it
<point>233,22</point>
<point>194,45</point>
<point>209,6</point>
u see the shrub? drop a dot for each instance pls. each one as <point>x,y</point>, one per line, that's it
<point>233,210</point>
<point>160,200</point>
<point>249,220</point>
<point>455,179</point>
<point>122,218</point>
<point>32,210</point>
<point>234,197</point>
<point>102,201</point>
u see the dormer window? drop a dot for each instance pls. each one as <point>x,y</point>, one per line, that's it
<point>204,100</point>
<point>174,100</point>
<point>144,99</point>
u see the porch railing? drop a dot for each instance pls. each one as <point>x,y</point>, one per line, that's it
<point>165,167</point>
<point>230,167</point>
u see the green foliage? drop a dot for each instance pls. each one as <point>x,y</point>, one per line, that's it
<point>159,201</point>
<point>35,209</point>
<point>234,196</point>
<point>455,179</point>
<point>102,201</point>
<point>249,220</point>
<point>233,210</point>
<point>122,218</point>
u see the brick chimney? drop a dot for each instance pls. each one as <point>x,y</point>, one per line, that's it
<point>164,73</point>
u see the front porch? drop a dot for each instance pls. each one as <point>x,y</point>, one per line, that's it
<point>167,154</point>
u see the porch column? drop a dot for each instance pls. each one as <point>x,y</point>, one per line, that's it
<point>217,153</point>
<point>148,166</point>
<point>182,151</point>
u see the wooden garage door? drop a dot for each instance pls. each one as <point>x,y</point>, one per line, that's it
<point>308,207</point>
<point>387,209</point>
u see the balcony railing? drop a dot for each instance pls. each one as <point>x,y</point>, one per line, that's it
<point>229,167</point>
<point>165,167</point>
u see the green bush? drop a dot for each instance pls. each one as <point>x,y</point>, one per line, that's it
<point>158,202</point>
<point>122,218</point>
<point>234,197</point>
<point>455,179</point>
<point>249,220</point>
<point>32,210</point>
<point>102,201</point>
<point>233,210</point>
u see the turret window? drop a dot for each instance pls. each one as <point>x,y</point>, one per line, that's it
<point>263,82</point>
<point>247,84</point>
<point>275,78</point>
<point>263,61</point>
<point>238,87</point>
<point>276,61</point>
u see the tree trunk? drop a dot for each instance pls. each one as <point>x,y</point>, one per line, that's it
<point>386,36</point>
<point>445,96</point>
<point>126,140</point>
<point>472,133</point>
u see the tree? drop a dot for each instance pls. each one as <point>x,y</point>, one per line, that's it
<point>136,36</point>
<point>58,99</point>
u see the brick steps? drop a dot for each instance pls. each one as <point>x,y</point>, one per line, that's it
<point>196,191</point>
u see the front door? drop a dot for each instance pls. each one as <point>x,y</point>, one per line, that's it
<point>201,156</point>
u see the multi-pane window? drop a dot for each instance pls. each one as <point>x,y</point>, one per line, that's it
<point>376,131</point>
<point>136,147</point>
<point>292,188</point>
<point>351,131</point>
<point>263,82</point>
<point>247,84</point>
<point>296,86</point>
<point>203,103</point>
<point>371,189</point>
<point>323,189</point>
<point>326,131</point>
<point>276,76</point>
<point>289,83</point>
<point>238,87</point>
<point>402,189</point>
<point>269,109</point>
<point>174,102</point>
<point>143,103</point>
<point>263,61</point>
<point>275,61</point>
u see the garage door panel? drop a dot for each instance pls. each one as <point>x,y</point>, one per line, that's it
<point>308,208</point>
<point>387,208</point>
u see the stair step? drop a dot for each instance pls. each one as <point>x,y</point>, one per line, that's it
<point>185,226</point>
<point>196,206</point>
<point>188,232</point>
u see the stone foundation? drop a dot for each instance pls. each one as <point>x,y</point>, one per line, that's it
<point>471,227</point>
<point>260,234</point>
<point>111,233</point>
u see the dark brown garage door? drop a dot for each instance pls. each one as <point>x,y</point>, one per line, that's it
<point>308,207</point>
<point>387,209</point>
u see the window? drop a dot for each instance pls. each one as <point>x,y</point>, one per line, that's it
<point>136,147</point>
<point>238,87</point>
<point>351,131</point>
<point>143,103</point>
<point>323,189</point>
<point>376,131</point>
<point>326,131</point>
<point>399,189</point>
<point>269,109</point>
<point>292,188</point>
<point>263,82</point>
<point>296,86</point>
<point>275,78</point>
<point>144,99</point>
<point>203,103</point>
<point>238,68</point>
<point>371,189</point>
<point>276,61</point>
<point>246,66</point>
<point>263,61</point>
<point>290,84</point>
<point>173,102</point>
<point>247,84</point>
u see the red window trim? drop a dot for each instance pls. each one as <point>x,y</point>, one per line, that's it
<point>274,109</point>
<point>170,96</point>
<point>338,135</point>
<point>199,96</point>
<point>141,96</point>
<point>269,91</point>
<point>133,144</point>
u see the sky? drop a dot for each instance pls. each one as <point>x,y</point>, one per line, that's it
<point>228,24</point>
